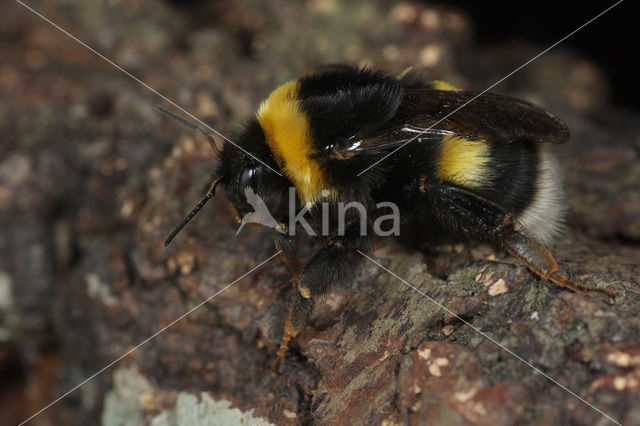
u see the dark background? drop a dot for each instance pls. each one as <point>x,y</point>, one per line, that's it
<point>610,41</point>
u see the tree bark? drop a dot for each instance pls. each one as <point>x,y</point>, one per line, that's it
<point>92,181</point>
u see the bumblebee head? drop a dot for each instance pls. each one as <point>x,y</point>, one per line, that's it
<point>248,183</point>
<point>246,170</point>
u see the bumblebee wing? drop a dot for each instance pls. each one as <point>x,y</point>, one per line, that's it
<point>487,116</point>
<point>391,137</point>
<point>427,115</point>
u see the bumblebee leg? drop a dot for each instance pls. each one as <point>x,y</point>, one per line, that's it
<point>296,319</point>
<point>333,260</point>
<point>476,218</point>
<point>330,262</point>
<point>288,245</point>
<point>540,261</point>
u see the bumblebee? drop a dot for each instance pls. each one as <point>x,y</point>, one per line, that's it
<point>475,167</point>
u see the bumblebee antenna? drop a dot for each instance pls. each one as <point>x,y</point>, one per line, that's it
<point>190,125</point>
<point>210,193</point>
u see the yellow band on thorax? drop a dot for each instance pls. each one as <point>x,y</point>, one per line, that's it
<point>288,134</point>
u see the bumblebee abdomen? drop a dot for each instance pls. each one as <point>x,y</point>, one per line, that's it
<point>521,177</point>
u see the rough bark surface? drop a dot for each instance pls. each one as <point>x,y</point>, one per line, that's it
<point>92,180</point>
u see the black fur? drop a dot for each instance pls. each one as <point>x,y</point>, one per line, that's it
<point>514,168</point>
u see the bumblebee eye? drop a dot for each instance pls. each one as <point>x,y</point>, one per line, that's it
<point>247,178</point>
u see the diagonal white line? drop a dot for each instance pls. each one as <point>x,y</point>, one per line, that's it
<point>115,361</point>
<point>493,85</point>
<point>492,339</point>
<point>147,86</point>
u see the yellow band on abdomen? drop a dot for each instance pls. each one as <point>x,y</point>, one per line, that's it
<point>464,162</point>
